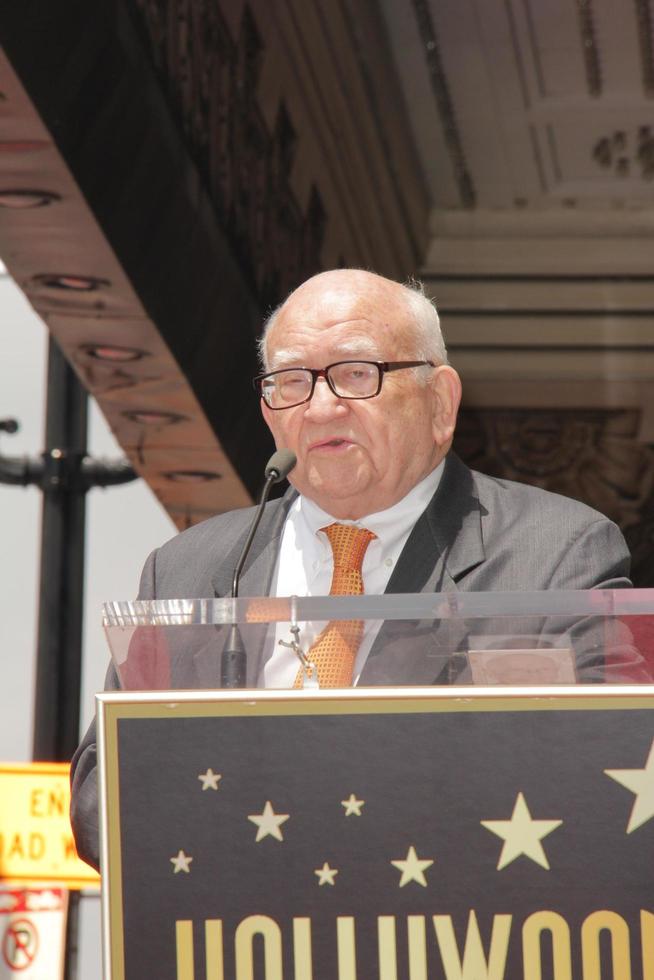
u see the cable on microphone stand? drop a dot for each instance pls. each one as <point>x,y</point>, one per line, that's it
<point>233,662</point>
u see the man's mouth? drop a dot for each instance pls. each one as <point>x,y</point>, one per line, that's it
<point>335,443</point>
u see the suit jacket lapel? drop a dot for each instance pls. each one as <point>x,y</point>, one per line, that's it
<point>260,564</point>
<point>446,542</point>
<point>444,546</point>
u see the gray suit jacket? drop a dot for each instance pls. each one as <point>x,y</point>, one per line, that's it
<point>477,534</point>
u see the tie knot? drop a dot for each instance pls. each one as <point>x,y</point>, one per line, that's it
<point>349,545</point>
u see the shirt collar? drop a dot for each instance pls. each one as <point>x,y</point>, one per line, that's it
<point>385,523</point>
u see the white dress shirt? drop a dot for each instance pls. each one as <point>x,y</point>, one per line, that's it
<point>305,565</point>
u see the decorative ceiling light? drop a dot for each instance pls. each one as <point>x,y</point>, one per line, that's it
<point>154,417</point>
<point>23,146</point>
<point>22,200</point>
<point>191,476</point>
<point>117,355</point>
<point>76,284</point>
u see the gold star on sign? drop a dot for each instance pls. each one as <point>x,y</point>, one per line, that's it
<point>412,868</point>
<point>268,822</point>
<point>209,779</point>
<point>352,806</point>
<point>521,835</point>
<point>326,874</point>
<point>181,862</point>
<point>640,782</point>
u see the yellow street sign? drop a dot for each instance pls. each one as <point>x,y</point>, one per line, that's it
<point>36,840</point>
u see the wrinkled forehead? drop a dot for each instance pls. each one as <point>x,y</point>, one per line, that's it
<point>373,318</point>
<point>324,304</point>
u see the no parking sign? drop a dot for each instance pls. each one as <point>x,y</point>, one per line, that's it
<point>32,932</point>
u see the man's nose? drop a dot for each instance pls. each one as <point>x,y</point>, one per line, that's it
<point>323,400</point>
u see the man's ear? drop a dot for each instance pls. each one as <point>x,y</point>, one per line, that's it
<point>447,398</point>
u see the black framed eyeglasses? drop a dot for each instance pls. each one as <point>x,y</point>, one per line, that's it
<point>289,387</point>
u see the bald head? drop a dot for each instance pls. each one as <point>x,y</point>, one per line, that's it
<point>337,289</point>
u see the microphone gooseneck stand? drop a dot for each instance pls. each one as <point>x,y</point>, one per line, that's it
<point>233,662</point>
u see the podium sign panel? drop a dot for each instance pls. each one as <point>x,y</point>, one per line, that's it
<point>399,834</point>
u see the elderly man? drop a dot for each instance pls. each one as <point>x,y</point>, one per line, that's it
<point>357,385</point>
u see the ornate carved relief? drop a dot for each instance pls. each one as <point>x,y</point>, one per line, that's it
<point>211,81</point>
<point>590,454</point>
<point>623,152</point>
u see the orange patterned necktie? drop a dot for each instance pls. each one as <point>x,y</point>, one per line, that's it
<point>335,650</point>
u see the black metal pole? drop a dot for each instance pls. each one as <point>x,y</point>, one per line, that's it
<point>59,645</point>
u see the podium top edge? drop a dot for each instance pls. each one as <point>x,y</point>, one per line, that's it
<point>172,698</point>
<point>439,605</point>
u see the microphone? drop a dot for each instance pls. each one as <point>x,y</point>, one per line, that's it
<point>233,661</point>
<point>280,465</point>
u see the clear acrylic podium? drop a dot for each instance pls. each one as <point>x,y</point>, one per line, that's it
<point>446,638</point>
<point>479,805</point>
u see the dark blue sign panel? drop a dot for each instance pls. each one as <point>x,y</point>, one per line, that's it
<point>399,838</point>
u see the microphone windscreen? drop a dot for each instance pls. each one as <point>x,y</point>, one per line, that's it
<point>280,464</point>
